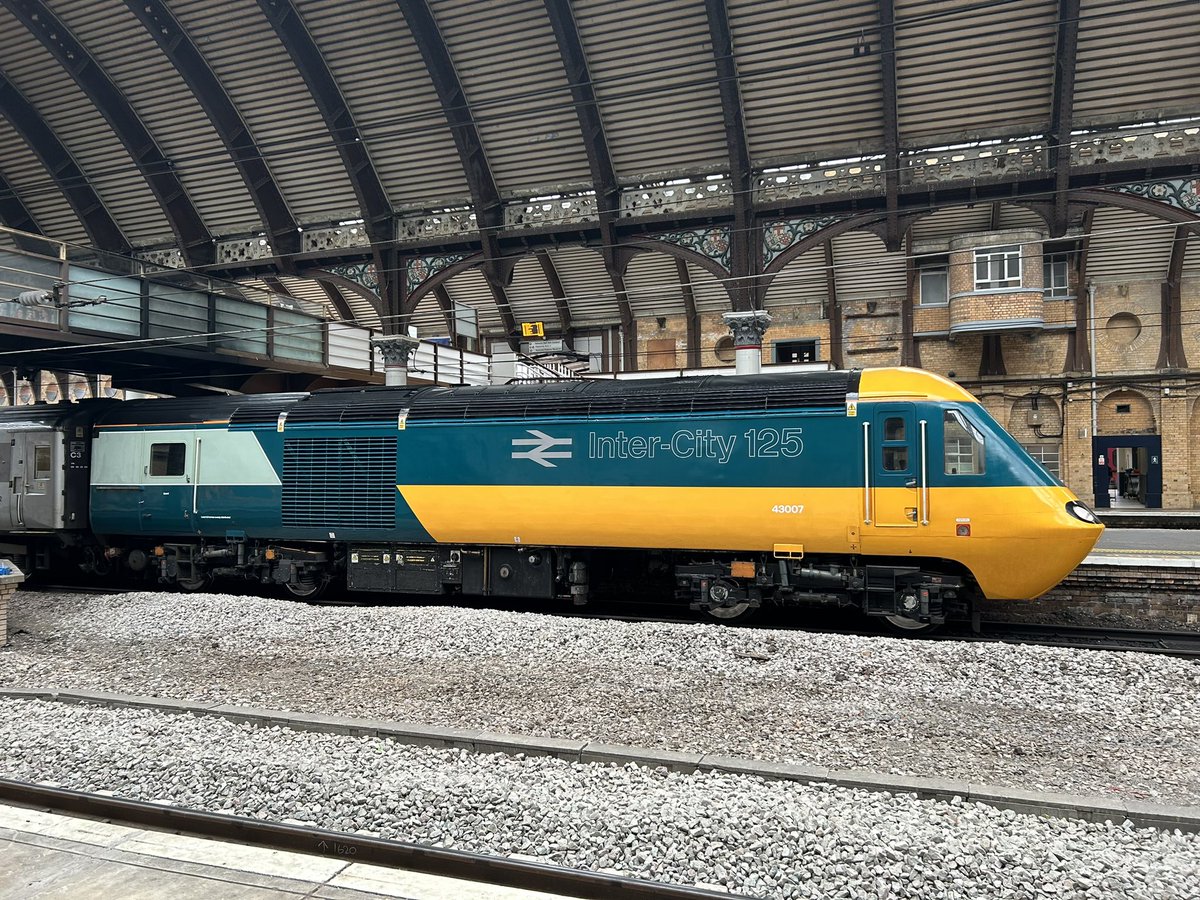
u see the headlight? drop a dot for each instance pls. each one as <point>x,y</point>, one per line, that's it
<point>1082,513</point>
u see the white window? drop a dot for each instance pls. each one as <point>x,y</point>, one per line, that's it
<point>963,445</point>
<point>1046,454</point>
<point>1054,275</point>
<point>997,267</point>
<point>935,286</point>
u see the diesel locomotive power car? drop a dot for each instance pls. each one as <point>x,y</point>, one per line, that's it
<point>891,490</point>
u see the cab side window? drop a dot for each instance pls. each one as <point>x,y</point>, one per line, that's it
<point>167,459</point>
<point>963,445</point>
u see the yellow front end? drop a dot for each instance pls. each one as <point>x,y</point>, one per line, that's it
<point>1018,542</point>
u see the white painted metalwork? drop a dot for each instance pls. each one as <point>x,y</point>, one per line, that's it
<point>341,237</point>
<point>553,211</point>
<point>427,226</point>
<point>677,198</point>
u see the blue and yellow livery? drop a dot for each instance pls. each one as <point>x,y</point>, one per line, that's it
<point>889,489</point>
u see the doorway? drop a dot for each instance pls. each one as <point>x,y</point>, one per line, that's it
<point>1127,472</point>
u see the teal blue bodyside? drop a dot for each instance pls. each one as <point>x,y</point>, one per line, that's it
<point>802,448</point>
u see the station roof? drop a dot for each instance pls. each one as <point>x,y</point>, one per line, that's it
<point>265,139</point>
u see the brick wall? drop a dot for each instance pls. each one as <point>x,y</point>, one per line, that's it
<point>1119,306</point>
<point>1133,597</point>
<point>8,587</point>
<point>871,337</point>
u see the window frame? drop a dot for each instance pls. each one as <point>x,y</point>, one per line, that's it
<point>1007,257</point>
<point>890,443</point>
<point>168,459</point>
<point>978,457</point>
<point>1049,288</point>
<point>43,462</point>
<point>816,350</point>
<point>939,270</point>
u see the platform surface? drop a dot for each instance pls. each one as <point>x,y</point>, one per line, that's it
<point>45,855</point>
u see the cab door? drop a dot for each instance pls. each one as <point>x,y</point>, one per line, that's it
<point>896,484</point>
<point>167,502</point>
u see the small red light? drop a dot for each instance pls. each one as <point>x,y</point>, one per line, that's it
<point>962,530</point>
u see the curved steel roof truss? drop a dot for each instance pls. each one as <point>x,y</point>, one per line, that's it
<point>102,230</point>
<point>196,243</point>
<point>604,179</point>
<point>226,119</point>
<point>307,57</point>
<point>13,212</point>
<point>1061,113</point>
<point>744,259</point>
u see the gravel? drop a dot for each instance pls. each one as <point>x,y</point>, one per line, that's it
<point>1035,718</point>
<point>743,833</point>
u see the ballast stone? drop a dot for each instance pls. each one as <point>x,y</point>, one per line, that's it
<point>1036,718</point>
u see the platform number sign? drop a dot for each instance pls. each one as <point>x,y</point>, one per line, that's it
<point>533,330</point>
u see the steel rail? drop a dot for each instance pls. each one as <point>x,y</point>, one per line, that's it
<point>1183,644</point>
<point>532,876</point>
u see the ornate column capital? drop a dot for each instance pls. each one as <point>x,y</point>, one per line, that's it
<point>748,327</point>
<point>396,349</point>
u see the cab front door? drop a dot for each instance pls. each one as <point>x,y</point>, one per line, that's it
<point>896,487</point>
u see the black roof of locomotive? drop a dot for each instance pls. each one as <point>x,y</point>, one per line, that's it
<point>583,398</point>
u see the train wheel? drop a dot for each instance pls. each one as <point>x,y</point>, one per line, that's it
<point>309,587</point>
<point>907,627</point>
<point>194,585</point>
<point>725,607</point>
<point>738,612</point>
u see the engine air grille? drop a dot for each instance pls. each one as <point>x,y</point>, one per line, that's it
<point>332,483</point>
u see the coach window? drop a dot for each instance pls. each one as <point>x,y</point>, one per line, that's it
<point>963,445</point>
<point>167,459</point>
<point>41,463</point>
<point>895,450</point>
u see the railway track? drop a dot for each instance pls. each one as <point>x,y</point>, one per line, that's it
<point>473,867</point>
<point>1184,644</point>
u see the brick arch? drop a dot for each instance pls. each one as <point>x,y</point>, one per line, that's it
<point>1139,420</point>
<point>1018,419</point>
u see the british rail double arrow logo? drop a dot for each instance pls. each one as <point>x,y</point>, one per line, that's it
<point>540,448</point>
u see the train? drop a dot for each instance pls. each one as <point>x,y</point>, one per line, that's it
<point>889,490</point>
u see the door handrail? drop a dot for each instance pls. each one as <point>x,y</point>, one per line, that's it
<point>924,475</point>
<point>196,477</point>
<point>866,473</point>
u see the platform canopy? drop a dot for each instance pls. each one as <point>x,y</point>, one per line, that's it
<point>578,162</point>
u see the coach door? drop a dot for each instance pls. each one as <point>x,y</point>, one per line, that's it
<point>894,496</point>
<point>31,495</point>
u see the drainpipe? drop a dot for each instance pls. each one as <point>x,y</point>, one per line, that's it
<point>1091,289</point>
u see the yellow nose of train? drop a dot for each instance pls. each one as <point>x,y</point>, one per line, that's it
<point>983,501</point>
